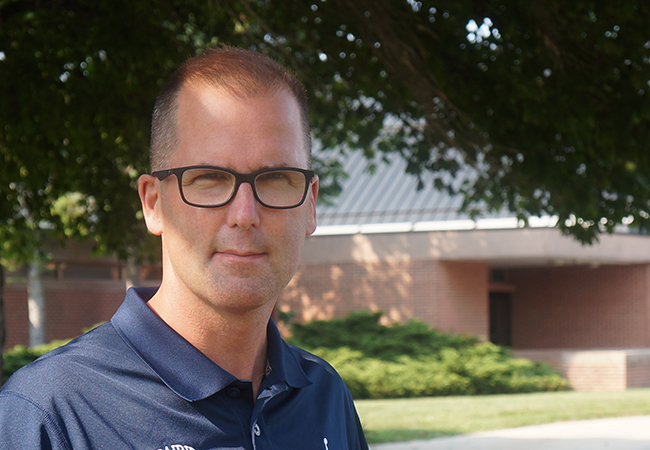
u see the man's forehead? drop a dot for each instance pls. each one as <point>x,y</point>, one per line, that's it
<point>197,98</point>
<point>205,111</point>
<point>202,98</point>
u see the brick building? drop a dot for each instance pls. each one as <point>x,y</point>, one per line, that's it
<point>585,310</point>
<point>384,245</point>
<point>80,291</point>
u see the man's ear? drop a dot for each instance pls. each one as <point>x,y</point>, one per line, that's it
<point>312,196</point>
<point>148,190</point>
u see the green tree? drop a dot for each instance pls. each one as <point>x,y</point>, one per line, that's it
<point>78,82</point>
<point>547,102</point>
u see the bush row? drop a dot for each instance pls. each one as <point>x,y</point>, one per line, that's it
<point>361,330</point>
<point>411,360</point>
<point>402,360</point>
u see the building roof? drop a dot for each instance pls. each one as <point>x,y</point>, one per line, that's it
<point>387,206</point>
<point>388,200</point>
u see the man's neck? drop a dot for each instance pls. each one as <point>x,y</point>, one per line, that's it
<point>234,341</point>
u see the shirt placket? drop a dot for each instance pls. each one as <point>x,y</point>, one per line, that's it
<point>259,432</point>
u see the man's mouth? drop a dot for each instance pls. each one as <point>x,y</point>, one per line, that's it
<point>241,254</point>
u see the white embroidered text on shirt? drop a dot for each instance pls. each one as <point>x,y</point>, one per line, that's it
<point>176,447</point>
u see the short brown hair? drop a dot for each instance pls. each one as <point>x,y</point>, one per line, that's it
<point>243,73</point>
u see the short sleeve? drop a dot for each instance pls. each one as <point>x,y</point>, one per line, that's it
<point>24,425</point>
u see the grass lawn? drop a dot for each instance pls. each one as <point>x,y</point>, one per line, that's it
<point>422,418</point>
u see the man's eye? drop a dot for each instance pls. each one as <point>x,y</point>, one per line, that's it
<point>212,176</point>
<point>275,176</point>
<point>207,178</point>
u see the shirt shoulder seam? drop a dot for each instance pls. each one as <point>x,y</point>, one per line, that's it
<point>47,417</point>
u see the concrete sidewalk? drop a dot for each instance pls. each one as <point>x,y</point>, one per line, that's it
<point>622,433</point>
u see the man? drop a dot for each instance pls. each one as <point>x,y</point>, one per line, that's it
<point>198,364</point>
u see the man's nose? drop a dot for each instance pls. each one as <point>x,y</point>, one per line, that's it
<point>243,209</point>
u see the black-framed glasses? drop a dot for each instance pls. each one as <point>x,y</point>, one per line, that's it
<point>212,187</point>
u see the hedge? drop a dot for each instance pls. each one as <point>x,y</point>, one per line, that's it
<point>412,360</point>
<point>402,360</point>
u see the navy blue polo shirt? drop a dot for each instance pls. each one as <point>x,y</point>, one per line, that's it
<point>134,383</point>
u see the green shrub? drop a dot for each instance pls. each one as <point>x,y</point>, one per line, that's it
<point>411,360</point>
<point>402,360</point>
<point>362,331</point>
<point>20,356</point>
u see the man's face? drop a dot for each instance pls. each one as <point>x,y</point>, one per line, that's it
<point>239,256</point>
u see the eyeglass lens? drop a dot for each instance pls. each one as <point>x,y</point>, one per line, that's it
<point>210,187</point>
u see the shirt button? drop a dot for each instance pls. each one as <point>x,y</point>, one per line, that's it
<point>233,392</point>
<point>256,430</point>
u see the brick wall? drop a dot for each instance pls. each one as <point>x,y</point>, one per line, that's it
<point>449,296</point>
<point>580,307</point>
<point>638,368</point>
<point>597,370</point>
<point>464,306</point>
<point>16,320</point>
<point>69,307</point>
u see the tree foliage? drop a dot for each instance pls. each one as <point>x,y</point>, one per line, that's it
<point>78,79</point>
<point>546,102</point>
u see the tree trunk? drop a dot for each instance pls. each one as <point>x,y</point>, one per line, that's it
<point>132,276</point>
<point>2,323</point>
<point>36,304</point>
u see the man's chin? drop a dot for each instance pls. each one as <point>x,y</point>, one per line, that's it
<point>241,290</point>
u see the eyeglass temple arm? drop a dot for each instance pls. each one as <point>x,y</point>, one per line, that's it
<point>162,174</point>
